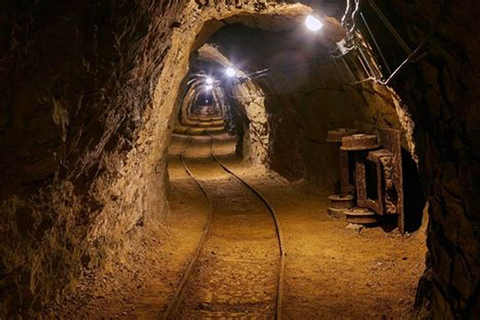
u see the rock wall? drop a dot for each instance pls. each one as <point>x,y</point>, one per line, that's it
<point>250,99</point>
<point>300,123</point>
<point>75,82</point>
<point>440,86</point>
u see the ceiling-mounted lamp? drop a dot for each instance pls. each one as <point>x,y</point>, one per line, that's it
<point>230,72</point>
<point>313,23</point>
<point>209,81</point>
<point>208,87</point>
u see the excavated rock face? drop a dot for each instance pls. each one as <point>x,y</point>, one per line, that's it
<point>440,86</point>
<point>75,81</point>
<point>303,119</point>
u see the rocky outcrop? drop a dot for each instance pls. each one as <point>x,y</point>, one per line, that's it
<point>75,83</point>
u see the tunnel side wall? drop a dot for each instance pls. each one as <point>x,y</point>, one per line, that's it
<point>299,124</point>
<point>76,78</point>
<point>441,87</point>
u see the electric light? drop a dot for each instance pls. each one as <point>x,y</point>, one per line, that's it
<point>313,23</point>
<point>208,87</point>
<point>209,80</point>
<point>230,72</point>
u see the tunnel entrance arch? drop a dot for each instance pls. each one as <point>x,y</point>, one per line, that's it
<point>190,36</point>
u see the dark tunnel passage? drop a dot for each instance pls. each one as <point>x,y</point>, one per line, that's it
<point>210,159</point>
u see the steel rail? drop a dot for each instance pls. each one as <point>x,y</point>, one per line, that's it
<point>174,306</point>
<point>278,230</point>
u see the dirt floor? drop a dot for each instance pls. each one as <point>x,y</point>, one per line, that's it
<point>237,269</point>
<point>331,272</point>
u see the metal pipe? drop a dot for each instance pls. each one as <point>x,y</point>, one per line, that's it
<point>352,76</point>
<point>390,27</point>
<point>355,11</point>
<point>339,71</point>
<point>347,11</point>
<point>354,66</point>
<point>409,58</point>
<point>367,74</point>
<point>373,72</point>
<point>375,42</point>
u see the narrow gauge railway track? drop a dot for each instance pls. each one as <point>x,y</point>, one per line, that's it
<point>173,309</point>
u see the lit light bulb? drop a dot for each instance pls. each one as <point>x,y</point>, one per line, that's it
<point>208,87</point>
<point>313,23</point>
<point>209,80</point>
<point>230,72</point>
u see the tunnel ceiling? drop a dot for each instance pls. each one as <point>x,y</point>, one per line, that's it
<point>251,48</point>
<point>332,8</point>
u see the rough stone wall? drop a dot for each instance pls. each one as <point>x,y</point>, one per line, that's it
<point>249,97</point>
<point>299,128</point>
<point>300,121</point>
<point>441,87</point>
<point>75,79</point>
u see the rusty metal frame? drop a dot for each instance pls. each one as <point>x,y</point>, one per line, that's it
<point>335,136</point>
<point>388,164</point>
<point>390,139</point>
<point>376,205</point>
<point>345,186</point>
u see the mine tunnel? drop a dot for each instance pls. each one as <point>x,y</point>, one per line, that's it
<point>239,159</point>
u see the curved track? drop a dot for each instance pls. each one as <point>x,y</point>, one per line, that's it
<point>174,309</point>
